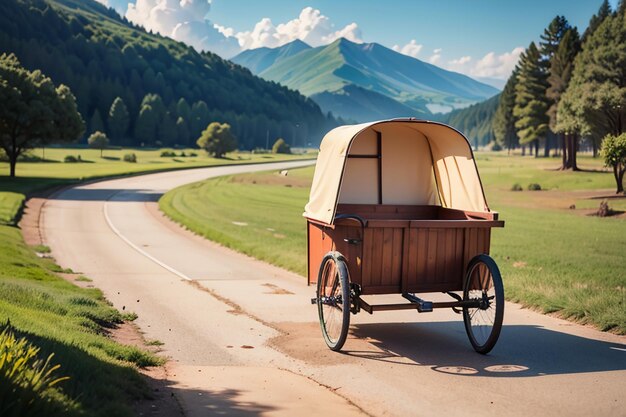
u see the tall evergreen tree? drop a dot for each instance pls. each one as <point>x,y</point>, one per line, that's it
<point>95,123</point>
<point>603,12</point>
<point>531,107</point>
<point>503,120</point>
<point>167,132</point>
<point>183,109</point>
<point>118,120</point>
<point>146,125</point>
<point>182,132</point>
<point>561,67</point>
<point>550,41</point>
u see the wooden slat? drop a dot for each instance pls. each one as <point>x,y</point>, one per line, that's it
<point>366,262</point>
<point>449,254</point>
<point>431,261</point>
<point>376,256</point>
<point>406,255</point>
<point>386,274</point>
<point>396,257</point>
<point>421,253</point>
<point>441,257</point>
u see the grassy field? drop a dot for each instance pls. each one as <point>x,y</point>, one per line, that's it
<point>58,317</point>
<point>553,258</point>
<point>37,173</point>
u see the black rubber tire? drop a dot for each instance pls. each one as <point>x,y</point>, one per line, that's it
<point>484,343</point>
<point>339,286</point>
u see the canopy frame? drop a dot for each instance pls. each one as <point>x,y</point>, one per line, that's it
<point>359,129</point>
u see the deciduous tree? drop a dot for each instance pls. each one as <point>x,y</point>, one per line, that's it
<point>98,140</point>
<point>614,153</point>
<point>33,112</point>
<point>217,139</point>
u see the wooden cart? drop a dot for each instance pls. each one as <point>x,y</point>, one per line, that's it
<point>397,207</point>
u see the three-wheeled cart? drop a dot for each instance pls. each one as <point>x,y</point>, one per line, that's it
<point>397,207</point>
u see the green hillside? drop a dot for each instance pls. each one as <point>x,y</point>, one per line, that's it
<point>101,56</point>
<point>326,70</point>
<point>475,121</point>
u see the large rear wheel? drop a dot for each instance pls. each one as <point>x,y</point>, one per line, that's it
<point>333,300</point>
<point>483,284</point>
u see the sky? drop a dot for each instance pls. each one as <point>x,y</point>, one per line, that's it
<point>479,38</point>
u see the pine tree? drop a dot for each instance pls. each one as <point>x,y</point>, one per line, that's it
<point>167,132</point>
<point>95,123</point>
<point>550,41</point>
<point>145,127</point>
<point>597,19</point>
<point>183,131</point>
<point>530,102</point>
<point>118,120</point>
<point>561,67</point>
<point>503,120</point>
<point>183,109</point>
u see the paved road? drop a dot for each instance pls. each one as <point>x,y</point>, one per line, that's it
<point>246,341</point>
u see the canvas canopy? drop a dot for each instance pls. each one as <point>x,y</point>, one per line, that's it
<point>399,162</point>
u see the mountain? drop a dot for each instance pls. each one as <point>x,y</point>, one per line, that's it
<point>325,71</point>
<point>475,121</point>
<point>258,60</point>
<point>101,56</point>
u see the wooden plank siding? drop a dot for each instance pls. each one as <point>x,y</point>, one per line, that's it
<point>401,254</point>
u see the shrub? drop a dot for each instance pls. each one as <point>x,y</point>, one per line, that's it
<point>70,159</point>
<point>534,187</point>
<point>280,146</point>
<point>183,154</point>
<point>496,147</point>
<point>130,157</point>
<point>516,187</point>
<point>193,154</point>
<point>168,154</point>
<point>27,382</point>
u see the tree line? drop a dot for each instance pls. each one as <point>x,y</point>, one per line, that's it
<point>567,90</point>
<point>141,88</point>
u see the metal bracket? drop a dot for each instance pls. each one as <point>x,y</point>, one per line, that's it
<point>423,306</point>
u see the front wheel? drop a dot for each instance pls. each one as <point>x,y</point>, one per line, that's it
<point>333,300</point>
<point>483,286</point>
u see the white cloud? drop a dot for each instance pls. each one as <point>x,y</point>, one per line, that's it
<point>311,26</point>
<point>185,21</point>
<point>490,65</point>
<point>435,57</point>
<point>411,49</point>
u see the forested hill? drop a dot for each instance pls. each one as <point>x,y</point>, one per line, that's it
<point>475,121</point>
<point>169,91</point>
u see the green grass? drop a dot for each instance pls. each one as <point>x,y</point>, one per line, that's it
<point>553,259</point>
<point>72,323</point>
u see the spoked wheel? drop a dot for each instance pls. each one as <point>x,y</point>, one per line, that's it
<point>483,284</point>
<point>333,300</point>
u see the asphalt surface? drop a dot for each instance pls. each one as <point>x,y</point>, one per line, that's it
<point>245,339</point>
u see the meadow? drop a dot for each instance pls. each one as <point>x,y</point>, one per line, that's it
<point>555,256</point>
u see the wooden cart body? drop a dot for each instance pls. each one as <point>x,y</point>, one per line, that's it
<point>403,249</point>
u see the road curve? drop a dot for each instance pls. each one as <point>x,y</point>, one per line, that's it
<point>246,341</point>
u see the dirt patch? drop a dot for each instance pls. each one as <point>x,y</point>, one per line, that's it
<point>161,400</point>
<point>304,341</point>
<point>276,289</point>
<point>29,224</point>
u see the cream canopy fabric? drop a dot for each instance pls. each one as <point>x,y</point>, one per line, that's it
<point>421,163</point>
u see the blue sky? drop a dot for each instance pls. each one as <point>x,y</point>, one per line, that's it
<point>481,38</point>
